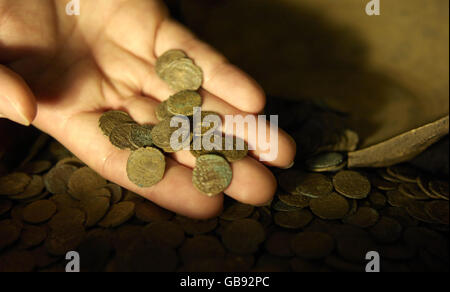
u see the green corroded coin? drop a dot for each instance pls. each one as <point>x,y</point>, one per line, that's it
<point>212,174</point>
<point>146,167</point>
<point>161,111</point>
<point>162,132</point>
<point>332,161</point>
<point>166,59</point>
<point>183,103</point>
<point>182,74</point>
<point>109,120</point>
<point>121,137</point>
<point>141,135</point>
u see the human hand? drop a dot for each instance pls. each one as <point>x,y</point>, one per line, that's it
<point>73,68</point>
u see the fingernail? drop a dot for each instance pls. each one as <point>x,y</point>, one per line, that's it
<point>15,114</point>
<point>289,166</point>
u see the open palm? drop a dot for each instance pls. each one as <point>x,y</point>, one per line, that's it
<point>79,66</point>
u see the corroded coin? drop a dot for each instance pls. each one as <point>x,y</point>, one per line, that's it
<point>62,240</point>
<point>383,184</point>
<point>64,201</point>
<point>147,211</point>
<point>403,172</point>
<point>206,123</point>
<point>212,174</point>
<point>243,236</point>
<point>39,211</point>
<point>439,188</point>
<point>438,210</point>
<point>121,137</point>
<point>117,215</point>
<point>32,236</point>
<point>312,245</point>
<point>333,206</point>
<point>202,247</point>
<point>298,201</point>
<point>351,184</point>
<point>141,135</point>
<point>377,200</point>
<point>161,111</point>
<point>9,233</point>
<point>330,161</point>
<point>167,58</point>
<point>182,74</point>
<point>195,227</point>
<point>14,183</point>
<point>237,211</point>
<point>146,167</point>
<point>293,219</point>
<point>387,230</point>
<point>111,119</point>
<point>162,134</point>
<point>416,209</point>
<point>83,181</point>
<point>234,151</point>
<point>279,205</point>
<point>57,179</point>
<point>115,191</point>
<point>423,183</point>
<point>183,103</point>
<point>67,217</point>
<point>165,233</point>
<point>364,217</point>
<point>412,191</point>
<point>95,209</point>
<point>397,199</point>
<point>314,185</point>
<point>289,179</point>
<point>34,188</point>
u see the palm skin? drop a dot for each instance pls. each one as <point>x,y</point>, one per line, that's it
<point>79,66</point>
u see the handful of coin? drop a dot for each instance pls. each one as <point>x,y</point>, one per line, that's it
<point>146,164</point>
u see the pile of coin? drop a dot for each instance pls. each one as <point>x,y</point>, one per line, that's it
<point>146,164</point>
<point>318,221</point>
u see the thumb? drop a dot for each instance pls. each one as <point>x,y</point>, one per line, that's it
<point>17,102</point>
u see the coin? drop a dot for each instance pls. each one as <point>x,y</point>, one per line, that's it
<point>288,180</point>
<point>146,167</point>
<point>71,161</point>
<point>57,179</point>
<point>212,174</point>
<point>403,172</point>
<point>34,188</point>
<point>183,103</point>
<point>416,209</point>
<point>383,184</point>
<point>141,136</point>
<point>66,218</point>
<point>62,240</point>
<point>243,236</point>
<point>115,191</point>
<point>165,59</point>
<point>298,201</point>
<point>196,227</point>
<point>412,191</point>
<point>351,184</point>
<point>397,199</point>
<point>333,206</point>
<point>64,201</point>
<point>83,181</point>
<point>199,127</point>
<point>117,215</point>
<point>121,137</point>
<point>14,183</point>
<point>423,183</point>
<point>279,205</point>
<point>364,217</point>
<point>312,245</point>
<point>5,206</point>
<point>239,149</point>
<point>36,167</point>
<point>201,247</point>
<point>9,233</point>
<point>326,162</point>
<point>162,133</point>
<point>237,211</point>
<point>182,74</point>
<point>111,119</point>
<point>150,212</point>
<point>32,236</point>
<point>293,219</point>
<point>387,230</point>
<point>39,211</point>
<point>161,111</point>
<point>278,244</point>
<point>377,200</point>
<point>439,188</point>
<point>164,233</point>
<point>314,185</point>
<point>438,210</point>
<point>95,209</point>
